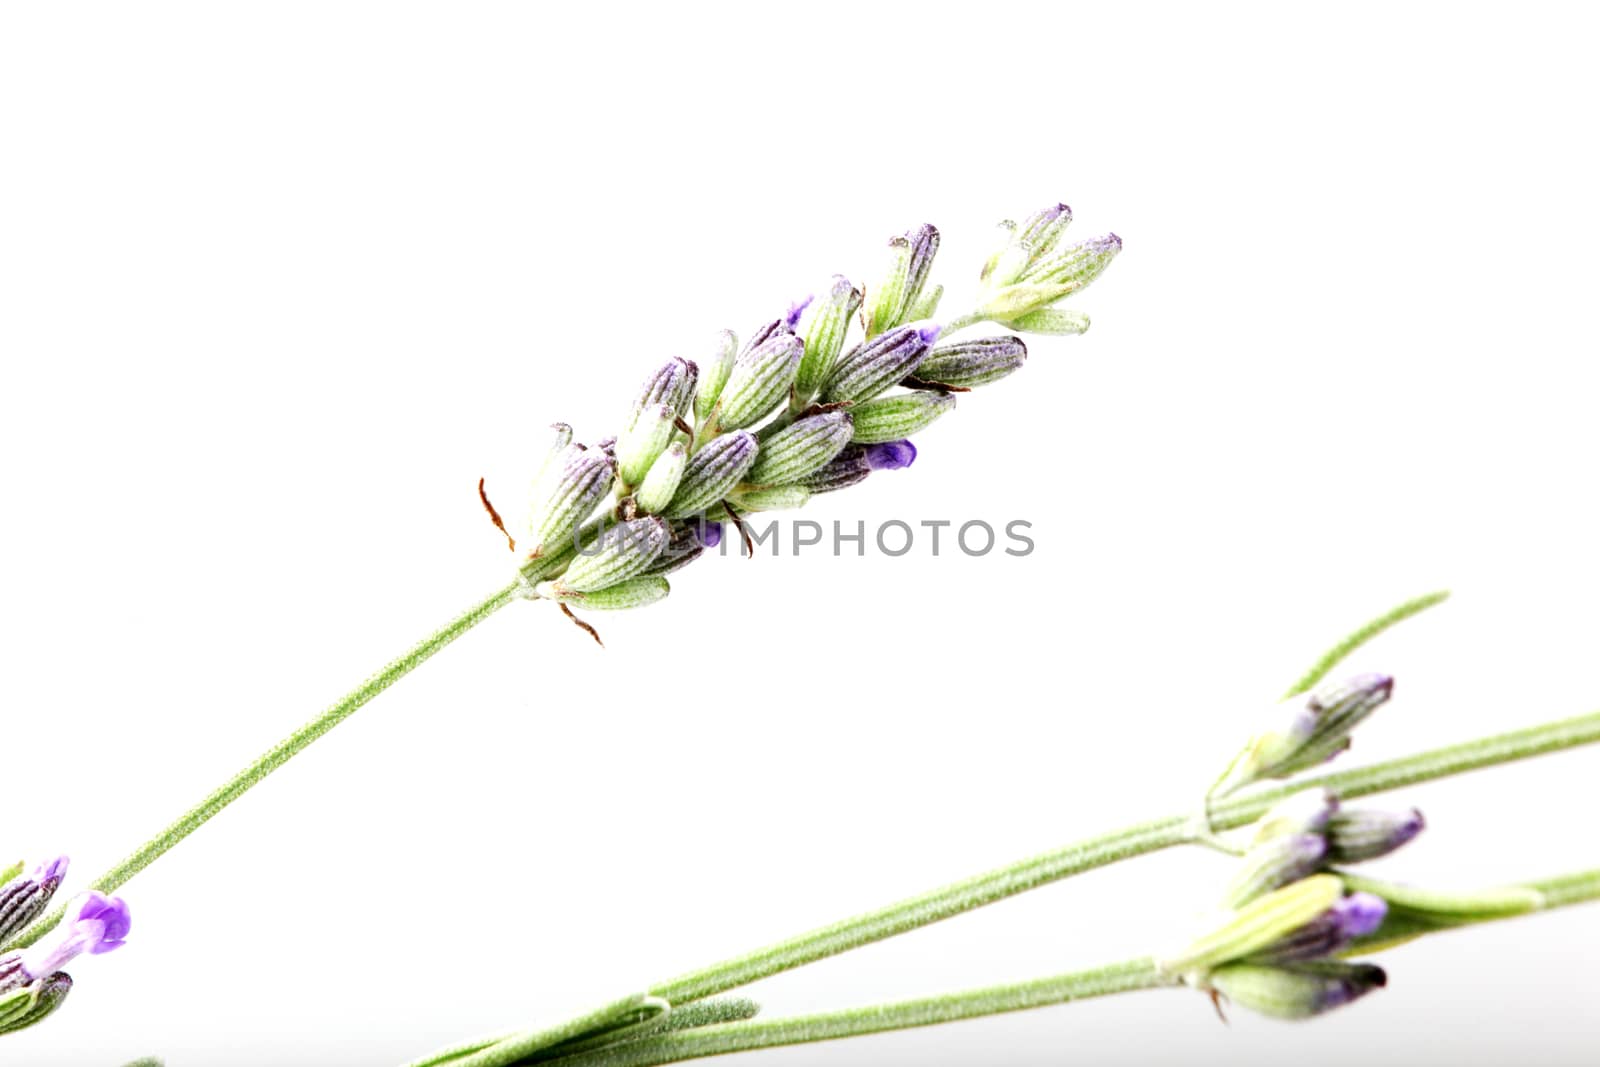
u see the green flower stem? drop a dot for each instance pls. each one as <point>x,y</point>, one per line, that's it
<point>1124,977</point>
<point>993,1000</point>
<point>1335,655</point>
<point>278,755</point>
<point>1110,848</point>
<point>961,322</point>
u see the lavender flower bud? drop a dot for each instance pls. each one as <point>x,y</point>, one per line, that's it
<point>26,1005</point>
<point>891,455</point>
<point>712,472</point>
<point>569,491</point>
<point>1301,735</point>
<point>634,593</point>
<point>715,375</point>
<point>559,437</point>
<point>824,332</point>
<point>24,897</point>
<point>910,259</point>
<point>1330,933</point>
<point>673,385</point>
<point>656,491</point>
<point>1263,922</point>
<point>1296,990</point>
<point>926,306</point>
<point>890,418</point>
<point>640,444</point>
<point>686,546</point>
<point>1307,812</point>
<point>1358,836</point>
<point>1055,321</point>
<point>801,448</point>
<point>1026,244</point>
<point>876,365</point>
<point>615,556</point>
<point>848,468</point>
<point>759,382</point>
<point>969,364</point>
<point>1273,865</point>
<point>772,498</point>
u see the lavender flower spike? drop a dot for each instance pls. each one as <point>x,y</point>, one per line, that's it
<point>24,897</point>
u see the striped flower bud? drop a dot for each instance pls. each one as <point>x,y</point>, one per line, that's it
<point>1304,732</point>
<point>770,498</point>
<point>715,375</point>
<point>1296,990</point>
<point>969,364</point>
<point>570,490</point>
<point>21,1008</point>
<point>712,472</point>
<point>910,259</point>
<point>1026,244</point>
<point>24,897</point>
<point>640,444</point>
<point>848,468</point>
<point>661,482</point>
<point>673,384</point>
<point>1330,933</point>
<point>824,331</point>
<point>927,305</point>
<point>686,546</point>
<point>620,553</point>
<point>1242,933</point>
<point>559,436</point>
<point>891,418</point>
<point>876,365</point>
<point>1361,835</point>
<point>1274,864</point>
<point>759,381</point>
<point>634,593</point>
<point>801,448</point>
<point>1306,812</point>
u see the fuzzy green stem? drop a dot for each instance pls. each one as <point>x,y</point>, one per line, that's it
<point>855,1022</point>
<point>278,755</point>
<point>1137,840</point>
<point>1336,655</point>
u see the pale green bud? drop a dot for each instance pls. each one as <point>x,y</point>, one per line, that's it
<point>1043,282</point>
<point>1296,990</point>
<point>759,382</point>
<point>572,486</point>
<point>910,258</point>
<point>661,482</point>
<point>1274,864</point>
<point>969,364</point>
<point>634,593</point>
<point>927,306</point>
<point>712,472</point>
<point>21,1008</point>
<point>620,553</point>
<point>714,375</point>
<point>640,444</point>
<point>800,448</point>
<point>1056,321</point>
<point>1306,812</point>
<point>824,329</point>
<point>879,364</point>
<point>891,418</point>
<point>1304,732</point>
<point>772,498</point>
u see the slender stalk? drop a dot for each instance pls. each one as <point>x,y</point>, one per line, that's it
<point>278,755</point>
<point>1124,977</point>
<point>1335,655</point>
<point>827,1026</point>
<point>1094,852</point>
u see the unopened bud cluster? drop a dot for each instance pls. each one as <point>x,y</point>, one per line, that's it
<point>796,410</point>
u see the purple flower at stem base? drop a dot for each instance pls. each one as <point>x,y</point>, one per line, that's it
<point>891,456</point>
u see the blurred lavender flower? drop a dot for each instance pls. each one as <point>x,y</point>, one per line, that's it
<point>32,983</point>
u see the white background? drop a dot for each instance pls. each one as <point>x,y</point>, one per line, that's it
<point>278,284</point>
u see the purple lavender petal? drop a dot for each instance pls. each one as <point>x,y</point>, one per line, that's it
<point>1359,914</point>
<point>709,533</point>
<point>113,916</point>
<point>792,319</point>
<point>891,456</point>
